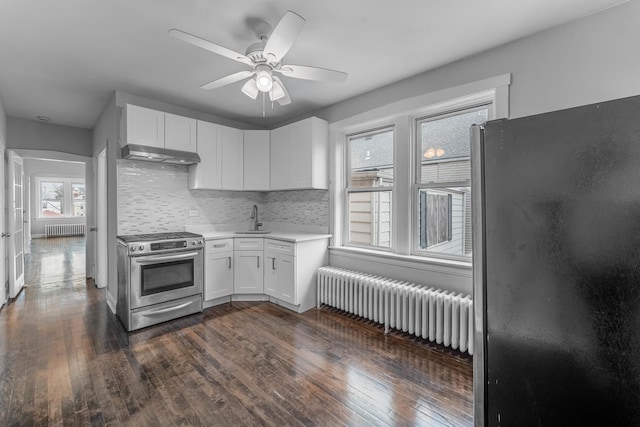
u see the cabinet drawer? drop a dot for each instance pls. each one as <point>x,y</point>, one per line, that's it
<point>248,243</point>
<point>278,246</point>
<point>220,245</point>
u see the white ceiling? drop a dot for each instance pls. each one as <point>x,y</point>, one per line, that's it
<point>64,58</point>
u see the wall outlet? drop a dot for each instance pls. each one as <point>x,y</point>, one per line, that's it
<point>193,212</point>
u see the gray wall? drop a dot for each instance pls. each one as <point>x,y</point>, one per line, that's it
<point>591,60</point>
<point>3,143</point>
<point>34,135</point>
<point>105,136</point>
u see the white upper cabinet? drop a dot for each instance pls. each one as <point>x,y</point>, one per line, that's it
<point>232,159</point>
<point>256,160</point>
<point>221,155</point>
<point>299,155</point>
<point>179,133</point>
<point>144,126</point>
<point>152,128</point>
<point>208,173</point>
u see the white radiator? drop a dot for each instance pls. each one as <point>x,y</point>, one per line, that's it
<point>57,230</point>
<point>441,316</point>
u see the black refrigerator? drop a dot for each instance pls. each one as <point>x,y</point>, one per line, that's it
<point>557,267</point>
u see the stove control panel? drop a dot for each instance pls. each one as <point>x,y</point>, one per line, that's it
<point>165,246</point>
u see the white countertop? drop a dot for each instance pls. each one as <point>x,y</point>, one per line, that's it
<point>278,235</point>
<point>278,231</point>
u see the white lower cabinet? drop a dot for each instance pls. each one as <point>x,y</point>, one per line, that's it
<point>285,271</point>
<point>280,270</point>
<point>248,272</point>
<point>218,270</point>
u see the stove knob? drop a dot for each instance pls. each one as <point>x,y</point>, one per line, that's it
<point>141,247</point>
<point>199,242</point>
<point>132,248</point>
<point>193,242</point>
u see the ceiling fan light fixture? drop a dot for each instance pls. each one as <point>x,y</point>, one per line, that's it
<point>264,81</point>
<point>277,91</point>
<point>250,89</point>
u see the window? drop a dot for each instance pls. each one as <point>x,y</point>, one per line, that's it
<point>443,189</point>
<point>369,193</point>
<point>401,187</point>
<point>61,197</point>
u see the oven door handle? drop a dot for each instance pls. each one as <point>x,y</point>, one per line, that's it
<point>168,309</point>
<point>166,258</point>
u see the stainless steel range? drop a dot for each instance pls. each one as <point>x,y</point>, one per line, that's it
<point>160,277</point>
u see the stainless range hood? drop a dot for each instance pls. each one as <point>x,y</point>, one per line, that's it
<point>155,154</point>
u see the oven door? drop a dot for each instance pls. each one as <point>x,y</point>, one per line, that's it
<point>165,277</point>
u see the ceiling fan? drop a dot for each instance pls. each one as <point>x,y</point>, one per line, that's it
<point>265,58</point>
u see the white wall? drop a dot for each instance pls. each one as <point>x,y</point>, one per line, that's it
<point>34,168</point>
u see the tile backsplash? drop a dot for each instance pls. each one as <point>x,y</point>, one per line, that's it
<point>154,197</point>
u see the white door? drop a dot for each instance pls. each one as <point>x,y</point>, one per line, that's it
<point>248,272</point>
<point>271,274</point>
<point>100,250</point>
<point>218,280</point>
<point>27,215</point>
<point>4,240</point>
<point>16,225</point>
<point>232,159</point>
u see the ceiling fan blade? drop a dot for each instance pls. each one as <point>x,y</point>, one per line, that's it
<point>281,98</point>
<point>283,36</point>
<point>210,46</point>
<point>312,73</point>
<point>231,78</point>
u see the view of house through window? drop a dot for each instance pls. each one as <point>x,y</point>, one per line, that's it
<point>370,188</point>
<point>61,198</point>
<point>444,182</point>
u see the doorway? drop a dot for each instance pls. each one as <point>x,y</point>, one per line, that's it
<point>55,211</point>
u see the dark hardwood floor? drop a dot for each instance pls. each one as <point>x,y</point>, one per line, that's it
<point>65,360</point>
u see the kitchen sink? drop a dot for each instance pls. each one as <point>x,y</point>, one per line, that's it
<point>253,232</point>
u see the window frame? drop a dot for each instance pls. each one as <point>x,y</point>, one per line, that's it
<point>433,115</point>
<point>67,199</point>
<point>349,189</point>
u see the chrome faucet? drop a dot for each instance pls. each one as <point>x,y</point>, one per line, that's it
<point>254,216</point>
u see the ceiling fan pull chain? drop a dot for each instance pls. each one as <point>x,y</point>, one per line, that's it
<point>262,104</point>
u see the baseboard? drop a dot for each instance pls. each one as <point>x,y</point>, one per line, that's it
<point>111,303</point>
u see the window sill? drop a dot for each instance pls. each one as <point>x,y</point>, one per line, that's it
<point>410,261</point>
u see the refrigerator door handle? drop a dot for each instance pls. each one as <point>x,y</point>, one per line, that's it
<point>477,210</point>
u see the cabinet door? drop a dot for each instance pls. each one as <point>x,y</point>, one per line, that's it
<point>144,126</point>
<point>179,133</point>
<point>232,159</point>
<point>287,278</point>
<point>256,160</point>
<point>208,173</point>
<point>280,159</point>
<point>248,272</point>
<point>300,149</point>
<point>271,274</point>
<point>218,275</point>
